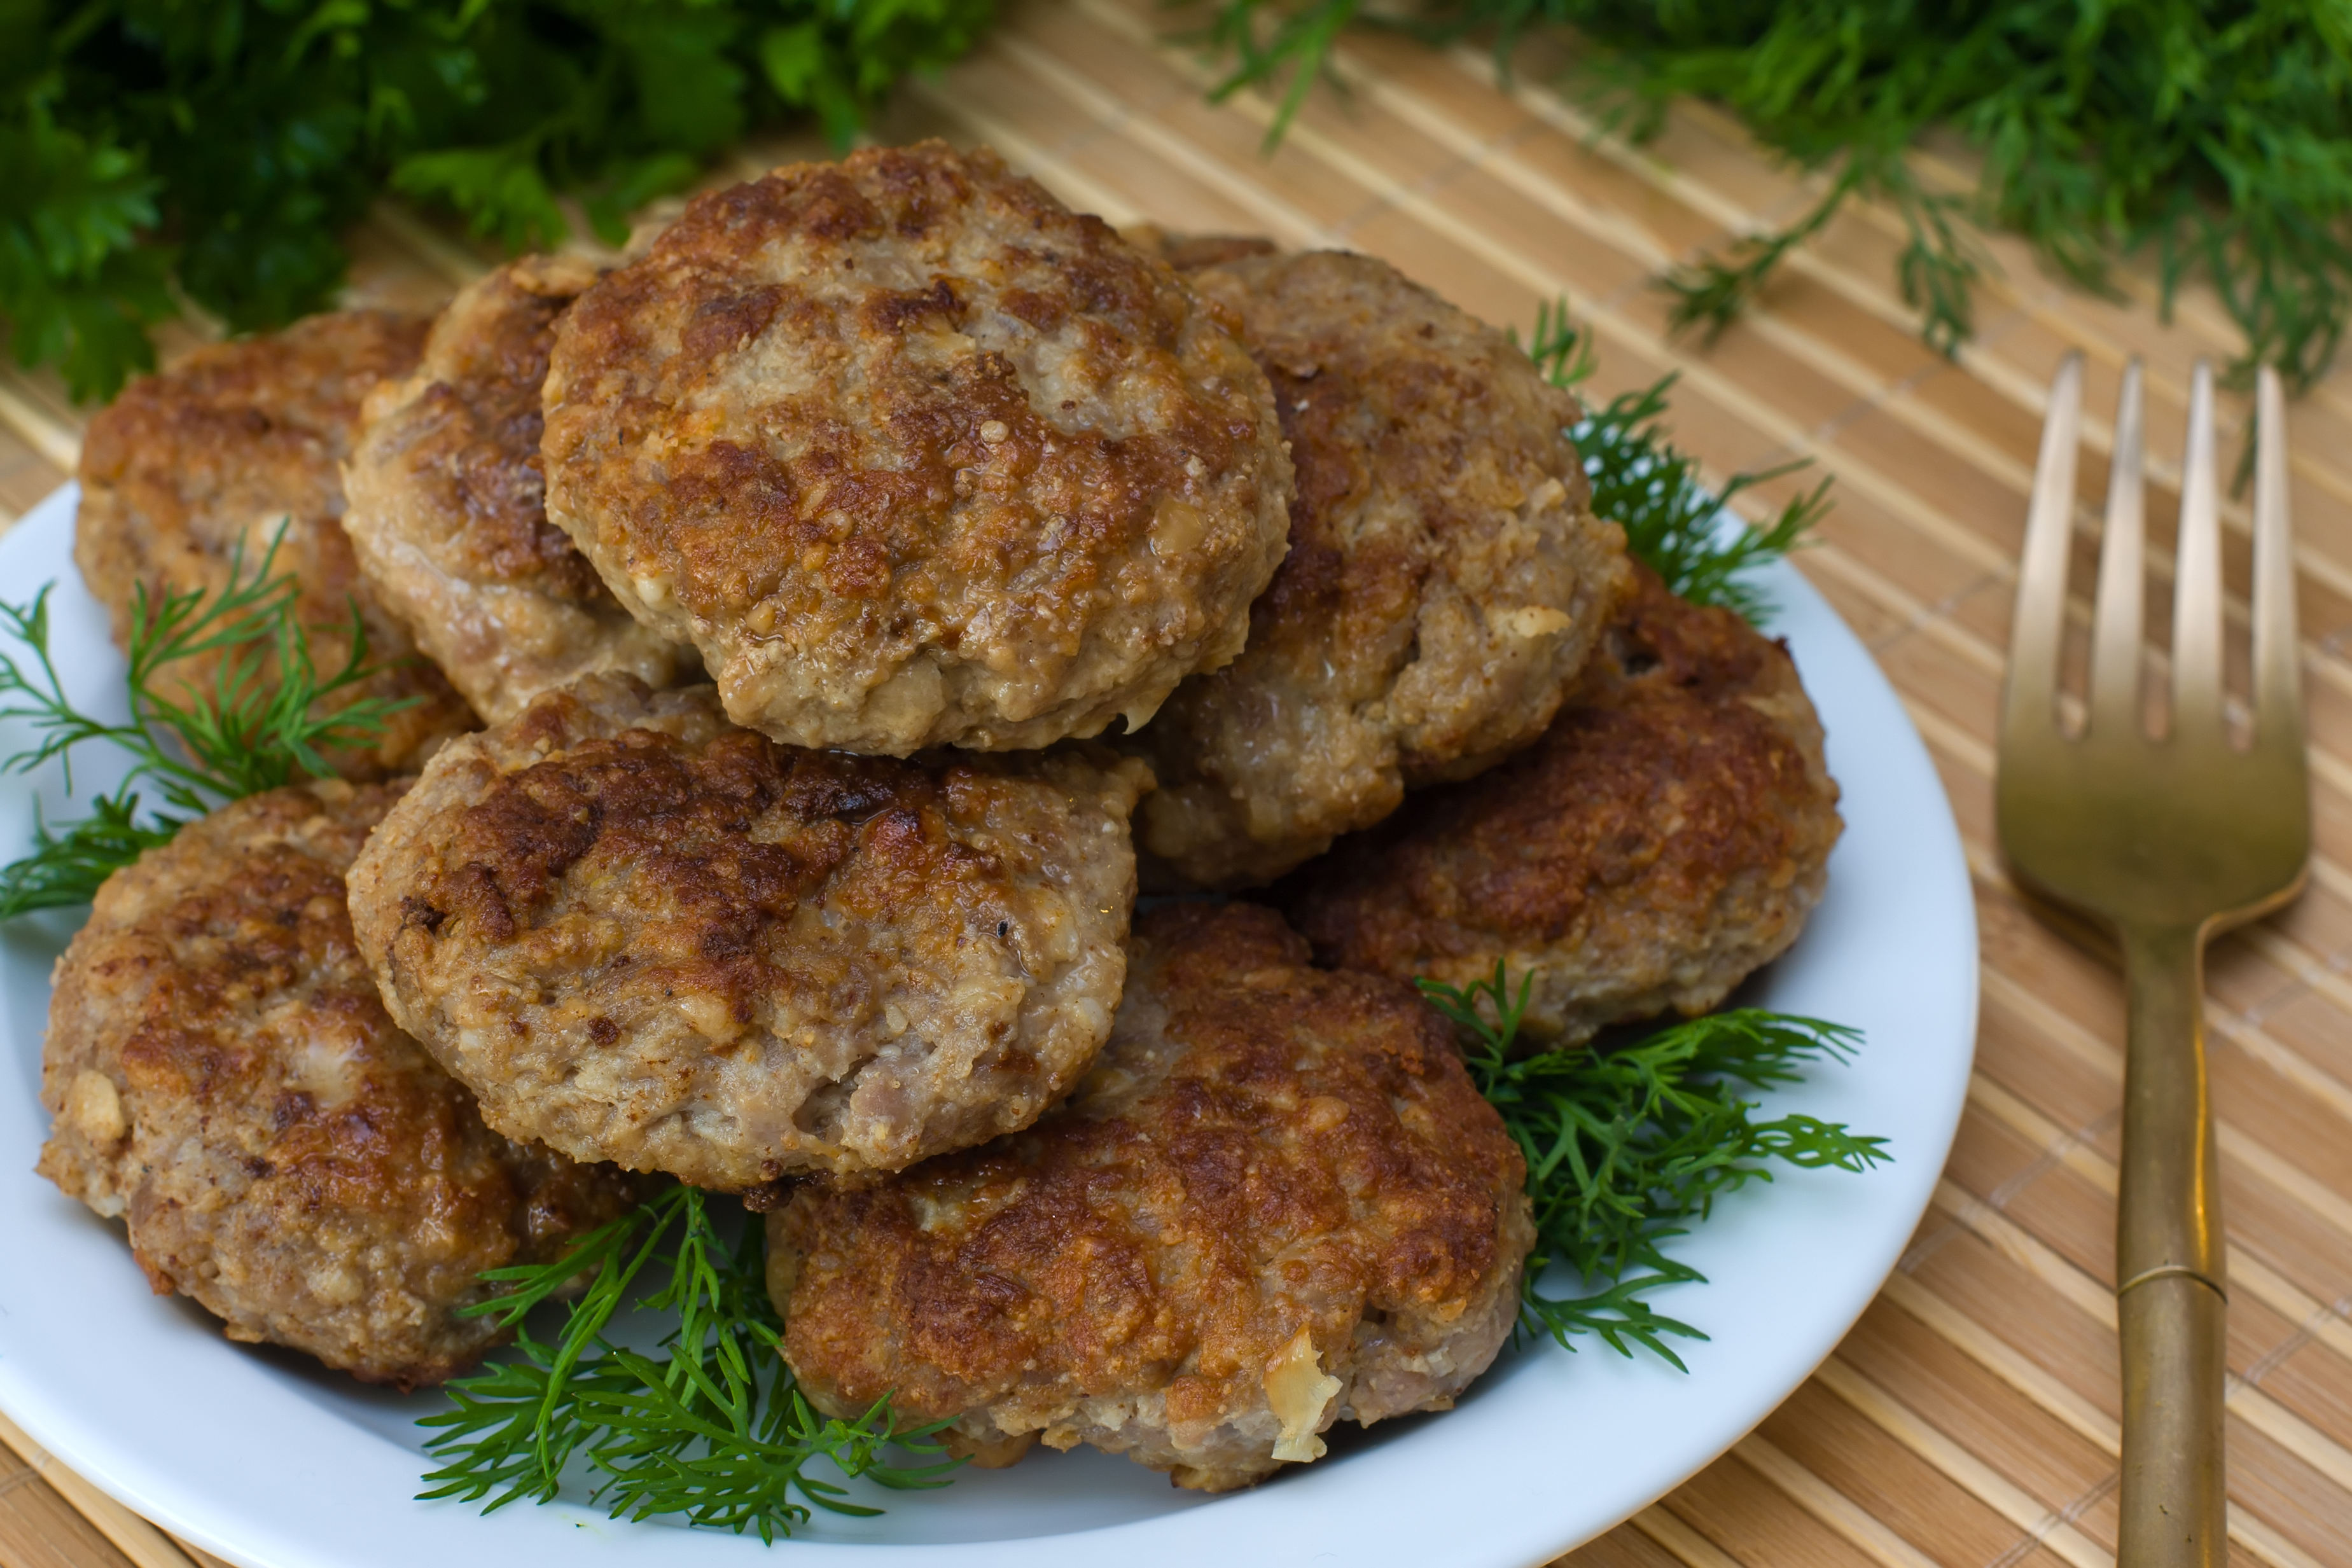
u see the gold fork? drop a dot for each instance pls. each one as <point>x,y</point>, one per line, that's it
<point>2169,840</point>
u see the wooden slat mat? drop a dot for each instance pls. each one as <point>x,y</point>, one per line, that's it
<point>1971,1419</point>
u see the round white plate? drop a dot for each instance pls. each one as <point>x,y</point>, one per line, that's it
<point>262,1457</point>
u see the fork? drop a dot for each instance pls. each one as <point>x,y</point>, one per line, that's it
<point>2169,840</point>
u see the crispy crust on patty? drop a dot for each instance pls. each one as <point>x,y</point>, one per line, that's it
<point>448,507</point>
<point>1277,1201</point>
<point>644,935</point>
<point>187,467</point>
<point>1191,252</point>
<point>916,457</point>
<point>1445,581</point>
<point>1667,837</point>
<point>224,1077</point>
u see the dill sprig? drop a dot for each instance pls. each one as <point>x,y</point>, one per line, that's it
<point>2212,136</point>
<point>1938,265</point>
<point>1627,1148</point>
<point>259,722</point>
<point>1640,481</point>
<point>714,1431</point>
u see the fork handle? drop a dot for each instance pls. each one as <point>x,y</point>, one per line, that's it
<point>2168,1266</point>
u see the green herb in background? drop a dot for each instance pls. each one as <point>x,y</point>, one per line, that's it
<point>713,1430</point>
<point>257,727</point>
<point>2215,135</point>
<point>1626,1148</point>
<point>220,147</point>
<point>1640,481</point>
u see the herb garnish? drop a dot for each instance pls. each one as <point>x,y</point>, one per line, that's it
<point>221,147</point>
<point>1627,1147</point>
<point>1642,481</point>
<point>256,724</point>
<point>714,1431</point>
<point>2215,135</point>
<point>1624,1148</point>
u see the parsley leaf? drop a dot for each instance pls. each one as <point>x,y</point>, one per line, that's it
<point>74,281</point>
<point>223,147</point>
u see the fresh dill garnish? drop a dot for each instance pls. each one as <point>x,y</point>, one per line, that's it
<point>1640,481</point>
<point>1623,1148</point>
<point>1627,1147</point>
<point>2214,136</point>
<point>259,722</point>
<point>714,1431</point>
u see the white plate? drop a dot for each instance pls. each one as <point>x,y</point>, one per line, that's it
<point>272,1463</point>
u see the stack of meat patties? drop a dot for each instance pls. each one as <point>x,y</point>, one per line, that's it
<point>837,578</point>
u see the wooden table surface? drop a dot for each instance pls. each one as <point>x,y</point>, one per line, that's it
<point>1971,1419</point>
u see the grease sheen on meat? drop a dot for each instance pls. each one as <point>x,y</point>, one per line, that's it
<point>916,457</point>
<point>448,507</point>
<point>642,934</point>
<point>1445,581</point>
<point>213,455</point>
<point>224,1077</point>
<point>1667,837</point>
<point>1277,1202</point>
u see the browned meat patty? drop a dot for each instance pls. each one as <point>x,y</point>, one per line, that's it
<point>448,507</point>
<point>1445,581</point>
<point>224,1078</point>
<point>1666,837</point>
<point>644,935</point>
<point>220,451</point>
<point>1191,252</point>
<point>1276,1203</point>
<point>916,457</point>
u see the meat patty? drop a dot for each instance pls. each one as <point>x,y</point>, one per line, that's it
<point>1666,837</point>
<point>224,1078</point>
<point>448,507</point>
<point>1191,252</point>
<point>1445,581</point>
<point>219,452</point>
<point>916,457</point>
<point>644,935</point>
<point>1277,1202</point>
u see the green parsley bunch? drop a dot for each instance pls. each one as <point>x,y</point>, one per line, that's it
<point>2214,135</point>
<point>218,148</point>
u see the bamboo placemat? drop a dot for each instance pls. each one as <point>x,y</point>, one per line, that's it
<point>1971,1419</point>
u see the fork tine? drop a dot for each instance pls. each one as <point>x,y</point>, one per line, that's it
<point>2030,696</point>
<point>2115,653</point>
<point>2278,693</point>
<point>2197,581</point>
